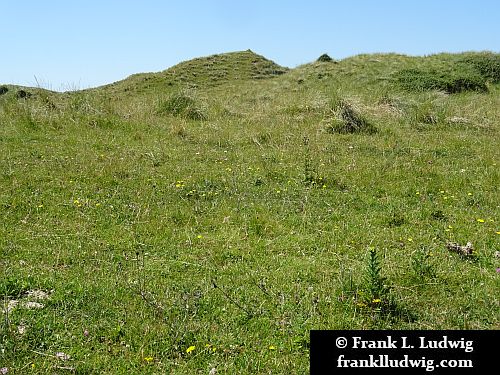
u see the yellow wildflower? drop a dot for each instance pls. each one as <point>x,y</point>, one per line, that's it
<point>190,349</point>
<point>272,347</point>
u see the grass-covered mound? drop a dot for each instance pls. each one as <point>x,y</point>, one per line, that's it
<point>212,70</point>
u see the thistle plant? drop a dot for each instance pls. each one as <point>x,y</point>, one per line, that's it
<point>376,283</point>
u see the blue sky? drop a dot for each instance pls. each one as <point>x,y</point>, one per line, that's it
<point>85,43</point>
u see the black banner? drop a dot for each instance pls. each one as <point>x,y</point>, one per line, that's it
<point>404,352</point>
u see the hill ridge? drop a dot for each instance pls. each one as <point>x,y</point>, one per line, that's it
<point>238,66</point>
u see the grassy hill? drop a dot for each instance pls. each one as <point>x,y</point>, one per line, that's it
<point>206,72</point>
<point>210,215</point>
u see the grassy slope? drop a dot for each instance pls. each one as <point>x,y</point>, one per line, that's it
<point>156,232</point>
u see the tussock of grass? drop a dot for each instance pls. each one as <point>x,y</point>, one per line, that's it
<point>429,113</point>
<point>349,120</point>
<point>183,105</point>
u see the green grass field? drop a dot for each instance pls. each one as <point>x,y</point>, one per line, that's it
<point>203,219</point>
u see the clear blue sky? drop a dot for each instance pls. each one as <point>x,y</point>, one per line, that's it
<point>68,44</point>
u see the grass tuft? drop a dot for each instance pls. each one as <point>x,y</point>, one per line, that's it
<point>349,120</point>
<point>429,113</point>
<point>184,105</point>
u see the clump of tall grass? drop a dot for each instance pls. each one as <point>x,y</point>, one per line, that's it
<point>182,104</point>
<point>348,120</point>
<point>428,113</point>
